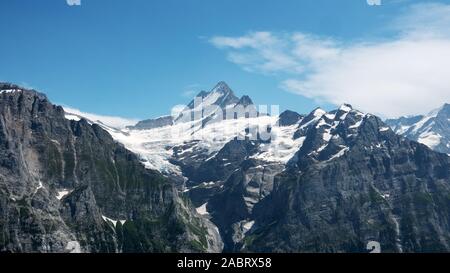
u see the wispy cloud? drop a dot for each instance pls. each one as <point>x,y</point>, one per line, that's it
<point>262,52</point>
<point>407,74</point>
<point>116,122</point>
<point>424,20</point>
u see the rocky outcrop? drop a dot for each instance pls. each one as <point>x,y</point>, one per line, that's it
<point>288,118</point>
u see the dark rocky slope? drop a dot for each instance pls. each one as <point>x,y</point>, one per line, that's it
<point>385,188</point>
<point>62,182</point>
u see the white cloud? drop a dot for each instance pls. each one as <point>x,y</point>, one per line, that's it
<point>259,52</point>
<point>424,20</point>
<point>116,122</point>
<point>391,79</point>
<point>408,74</point>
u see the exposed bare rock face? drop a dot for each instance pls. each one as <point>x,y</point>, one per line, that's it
<point>382,188</point>
<point>67,186</point>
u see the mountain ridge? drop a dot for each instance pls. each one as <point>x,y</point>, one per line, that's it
<point>328,181</point>
<point>432,129</point>
<point>230,180</point>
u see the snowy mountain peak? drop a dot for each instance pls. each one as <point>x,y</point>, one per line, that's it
<point>221,95</point>
<point>222,87</point>
<point>432,129</point>
<point>318,112</point>
<point>346,107</point>
<point>315,115</point>
<point>343,111</point>
<point>333,134</point>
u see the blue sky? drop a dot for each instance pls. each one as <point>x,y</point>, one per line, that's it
<point>138,58</point>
